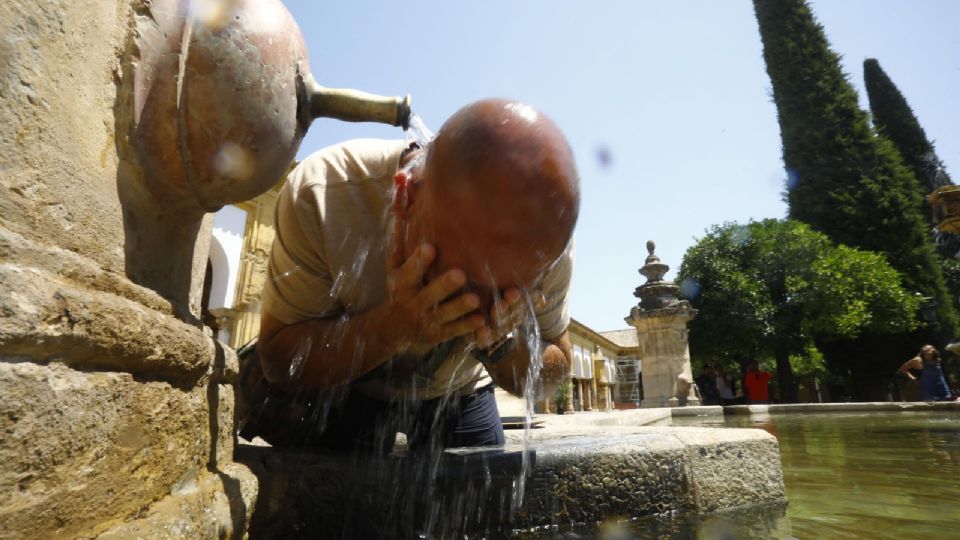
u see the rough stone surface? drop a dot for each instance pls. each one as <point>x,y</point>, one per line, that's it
<point>58,63</point>
<point>580,474</point>
<point>82,448</point>
<point>585,479</point>
<point>46,318</point>
<point>117,410</point>
<point>844,407</point>
<point>215,505</point>
<point>731,470</point>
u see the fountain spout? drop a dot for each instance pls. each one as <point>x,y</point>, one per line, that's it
<point>350,105</point>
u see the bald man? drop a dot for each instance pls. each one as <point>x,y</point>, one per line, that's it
<point>399,277</point>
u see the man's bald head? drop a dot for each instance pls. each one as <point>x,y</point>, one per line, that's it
<point>501,191</point>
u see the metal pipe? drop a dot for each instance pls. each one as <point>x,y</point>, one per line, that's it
<point>352,105</point>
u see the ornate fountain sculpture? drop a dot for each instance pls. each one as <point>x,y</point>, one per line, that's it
<point>946,209</point>
<point>219,95</point>
<point>661,322</point>
<point>127,123</point>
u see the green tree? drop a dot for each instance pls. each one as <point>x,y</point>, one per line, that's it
<point>894,119</point>
<point>843,180</point>
<point>775,288</point>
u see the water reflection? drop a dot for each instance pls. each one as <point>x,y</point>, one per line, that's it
<point>879,475</point>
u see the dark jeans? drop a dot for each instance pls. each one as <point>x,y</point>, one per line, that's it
<point>343,419</point>
<point>361,423</point>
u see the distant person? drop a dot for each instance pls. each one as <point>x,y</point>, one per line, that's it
<point>756,384</point>
<point>726,387</point>
<point>707,385</point>
<point>933,384</point>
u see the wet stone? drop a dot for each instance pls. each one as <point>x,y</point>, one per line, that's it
<point>579,479</point>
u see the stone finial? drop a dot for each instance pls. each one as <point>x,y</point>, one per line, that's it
<point>656,293</point>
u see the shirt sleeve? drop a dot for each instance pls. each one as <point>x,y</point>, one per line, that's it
<point>554,317</point>
<point>299,282</point>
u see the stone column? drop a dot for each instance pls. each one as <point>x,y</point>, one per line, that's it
<point>666,356</point>
<point>661,323</point>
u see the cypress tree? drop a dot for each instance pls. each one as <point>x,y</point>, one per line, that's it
<point>843,180</point>
<point>894,119</point>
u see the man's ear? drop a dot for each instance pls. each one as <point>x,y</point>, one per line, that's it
<point>404,194</point>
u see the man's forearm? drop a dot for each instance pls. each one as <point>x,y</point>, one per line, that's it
<point>511,373</point>
<point>325,353</point>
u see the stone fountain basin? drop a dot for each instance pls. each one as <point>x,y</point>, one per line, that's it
<point>580,472</point>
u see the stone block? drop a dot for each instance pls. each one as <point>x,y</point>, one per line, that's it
<point>732,468</point>
<point>213,505</point>
<point>577,474</point>
<point>82,449</point>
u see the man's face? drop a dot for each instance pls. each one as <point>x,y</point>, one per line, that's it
<point>464,239</point>
<point>490,267</point>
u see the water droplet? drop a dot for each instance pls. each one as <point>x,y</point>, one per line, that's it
<point>233,161</point>
<point>689,288</point>
<point>793,178</point>
<point>741,235</point>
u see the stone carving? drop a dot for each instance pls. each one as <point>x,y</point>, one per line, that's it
<point>661,322</point>
<point>124,123</point>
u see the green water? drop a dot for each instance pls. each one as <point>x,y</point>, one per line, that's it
<point>878,475</point>
<point>870,476</point>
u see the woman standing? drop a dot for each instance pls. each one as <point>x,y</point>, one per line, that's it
<point>933,385</point>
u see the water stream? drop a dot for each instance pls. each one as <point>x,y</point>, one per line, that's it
<point>418,131</point>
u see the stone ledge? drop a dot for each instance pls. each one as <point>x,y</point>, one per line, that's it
<point>79,270</point>
<point>843,407</point>
<point>45,318</point>
<point>697,410</point>
<point>81,449</point>
<point>579,474</point>
<point>219,504</point>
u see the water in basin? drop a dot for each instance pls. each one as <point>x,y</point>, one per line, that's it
<point>877,475</point>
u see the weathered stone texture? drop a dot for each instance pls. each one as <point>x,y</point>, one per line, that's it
<point>579,474</point>
<point>732,470</point>
<point>81,449</point>
<point>58,64</point>
<point>585,479</point>
<point>46,318</point>
<point>212,506</point>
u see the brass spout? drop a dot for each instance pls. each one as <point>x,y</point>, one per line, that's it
<point>351,105</point>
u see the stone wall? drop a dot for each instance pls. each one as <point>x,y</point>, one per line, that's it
<point>117,409</point>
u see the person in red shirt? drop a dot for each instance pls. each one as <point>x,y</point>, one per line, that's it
<point>756,384</point>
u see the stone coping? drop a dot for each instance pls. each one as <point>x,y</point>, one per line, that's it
<point>662,415</point>
<point>865,406</point>
<point>578,474</point>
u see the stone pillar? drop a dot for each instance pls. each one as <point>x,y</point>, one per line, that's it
<point>117,409</point>
<point>661,323</point>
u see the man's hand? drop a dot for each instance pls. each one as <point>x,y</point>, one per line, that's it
<point>505,316</point>
<point>427,313</point>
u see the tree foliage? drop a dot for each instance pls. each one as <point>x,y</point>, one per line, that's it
<point>895,120</point>
<point>775,288</point>
<point>843,180</point>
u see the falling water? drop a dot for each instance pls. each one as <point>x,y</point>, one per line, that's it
<point>530,334</point>
<point>418,131</point>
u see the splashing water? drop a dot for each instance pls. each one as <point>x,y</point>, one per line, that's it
<point>529,332</point>
<point>299,358</point>
<point>418,131</point>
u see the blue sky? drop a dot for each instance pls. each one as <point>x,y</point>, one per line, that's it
<point>675,91</point>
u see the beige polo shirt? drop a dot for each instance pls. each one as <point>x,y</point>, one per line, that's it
<point>329,261</point>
